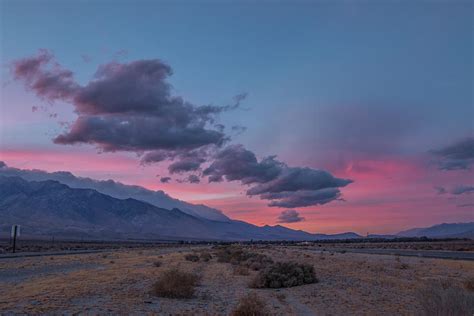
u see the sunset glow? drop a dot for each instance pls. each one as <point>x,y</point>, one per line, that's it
<point>286,100</point>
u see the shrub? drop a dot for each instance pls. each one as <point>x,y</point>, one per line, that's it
<point>257,262</point>
<point>441,298</point>
<point>157,263</point>
<point>232,254</point>
<point>191,257</point>
<point>205,256</point>
<point>285,274</point>
<point>174,283</point>
<point>239,256</point>
<point>251,305</point>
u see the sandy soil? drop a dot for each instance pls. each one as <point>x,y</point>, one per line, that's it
<point>119,282</point>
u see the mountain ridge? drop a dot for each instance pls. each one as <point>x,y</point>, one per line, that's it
<point>443,230</point>
<point>47,207</point>
<point>116,189</point>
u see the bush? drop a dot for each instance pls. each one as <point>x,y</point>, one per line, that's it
<point>232,254</point>
<point>191,257</point>
<point>285,274</point>
<point>257,262</point>
<point>157,263</point>
<point>205,256</point>
<point>175,284</point>
<point>251,305</point>
<point>441,298</point>
<point>239,256</point>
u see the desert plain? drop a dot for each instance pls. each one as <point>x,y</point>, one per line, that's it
<point>121,281</point>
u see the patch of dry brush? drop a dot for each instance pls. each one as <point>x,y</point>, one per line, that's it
<point>174,283</point>
<point>442,298</point>
<point>284,274</point>
<point>251,305</point>
<point>237,256</point>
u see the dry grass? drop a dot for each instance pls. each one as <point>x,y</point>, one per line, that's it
<point>174,283</point>
<point>251,305</point>
<point>349,284</point>
<point>442,298</point>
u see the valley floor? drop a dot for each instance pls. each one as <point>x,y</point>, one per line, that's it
<point>120,282</point>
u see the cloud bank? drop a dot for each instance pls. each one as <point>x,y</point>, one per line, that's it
<point>126,106</point>
<point>130,107</point>
<point>273,180</point>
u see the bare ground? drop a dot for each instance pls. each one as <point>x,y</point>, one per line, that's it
<point>119,282</point>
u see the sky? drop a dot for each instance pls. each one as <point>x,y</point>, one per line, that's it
<point>326,116</point>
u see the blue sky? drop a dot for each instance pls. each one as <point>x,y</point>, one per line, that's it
<point>328,83</point>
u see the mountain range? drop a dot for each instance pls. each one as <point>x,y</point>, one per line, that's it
<point>62,204</point>
<point>454,230</point>
<point>52,208</point>
<point>117,190</point>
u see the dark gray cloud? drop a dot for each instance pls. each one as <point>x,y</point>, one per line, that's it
<point>192,178</point>
<point>183,161</point>
<point>165,179</point>
<point>273,180</point>
<point>302,198</point>
<point>126,107</point>
<point>48,79</point>
<point>187,161</point>
<point>157,156</point>
<point>290,216</point>
<point>462,189</point>
<point>296,178</point>
<point>235,163</point>
<point>185,165</point>
<point>457,156</point>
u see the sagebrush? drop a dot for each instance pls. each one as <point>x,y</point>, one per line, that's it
<point>174,283</point>
<point>284,274</point>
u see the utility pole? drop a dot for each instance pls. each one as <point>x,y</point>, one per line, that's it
<point>15,233</point>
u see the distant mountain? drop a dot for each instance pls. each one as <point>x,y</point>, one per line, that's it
<point>52,208</point>
<point>454,230</point>
<point>117,190</point>
<point>386,236</point>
